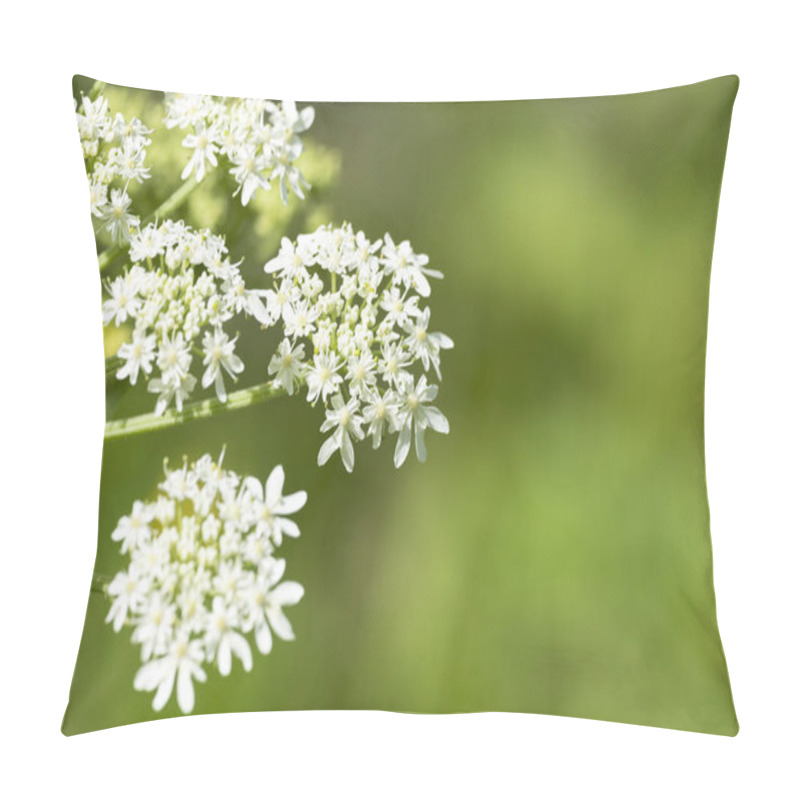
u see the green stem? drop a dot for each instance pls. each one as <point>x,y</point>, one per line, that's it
<point>200,410</point>
<point>97,88</point>
<point>174,201</point>
<point>113,363</point>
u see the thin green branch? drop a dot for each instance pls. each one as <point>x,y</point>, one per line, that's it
<point>95,91</point>
<point>113,363</point>
<point>200,410</point>
<point>174,201</point>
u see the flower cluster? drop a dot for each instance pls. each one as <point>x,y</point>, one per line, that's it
<point>181,287</point>
<point>259,139</point>
<point>202,575</point>
<point>356,337</point>
<point>114,149</point>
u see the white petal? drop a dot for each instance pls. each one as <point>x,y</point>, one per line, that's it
<point>219,387</point>
<point>253,486</point>
<point>422,286</point>
<point>185,689</point>
<point>306,118</point>
<point>292,503</point>
<point>287,527</point>
<point>288,593</point>
<point>258,309</point>
<point>242,650</point>
<point>403,445</point>
<point>248,188</point>
<point>149,676</point>
<point>278,567</point>
<point>348,456</point>
<point>437,420</point>
<point>428,394</point>
<point>263,638</point>
<point>275,485</point>
<point>280,624</point>
<point>164,691</point>
<point>208,376</point>
<point>419,442</point>
<point>443,340</point>
<point>329,447</point>
<point>224,656</point>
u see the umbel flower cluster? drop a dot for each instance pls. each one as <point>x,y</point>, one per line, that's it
<point>202,583</point>
<point>354,325</point>
<point>114,149</point>
<point>179,292</point>
<point>356,337</point>
<point>259,140</point>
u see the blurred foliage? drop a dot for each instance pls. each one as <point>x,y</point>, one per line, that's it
<point>553,554</point>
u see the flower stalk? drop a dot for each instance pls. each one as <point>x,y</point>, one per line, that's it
<point>202,409</point>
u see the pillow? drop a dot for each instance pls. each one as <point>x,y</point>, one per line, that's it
<point>461,346</point>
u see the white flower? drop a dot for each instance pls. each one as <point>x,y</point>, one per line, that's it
<point>219,355</point>
<point>270,507</point>
<point>380,412</point>
<point>287,174</point>
<point>248,170</point>
<point>407,267</point>
<point>392,363</point>
<point>425,345</point>
<point>260,140</point>
<point>130,160</point>
<point>128,590</point>
<point>172,388</point>
<point>98,196</point>
<point>124,301</point>
<point>345,422</point>
<point>201,575</point>
<point>93,118</point>
<point>137,354</point>
<point>154,624</point>
<point>323,377</point>
<point>174,358</point>
<point>299,319</point>
<point>265,602</point>
<point>399,306</point>
<point>119,222</point>
<point>204,150</point>
<point>414,412</point>
<point>292,259</point>
<point>115,151</point>
<point>287,365</point>
<point>183,663</point>
<point>361,372</point>
<point>134,530</point>
<point>223,640</point>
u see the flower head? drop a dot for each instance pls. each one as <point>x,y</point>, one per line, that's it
<point>259,139</point>
<point>202,576</point>
<point>179,292</point>
<point>115,152</point>
<point>356,307</point>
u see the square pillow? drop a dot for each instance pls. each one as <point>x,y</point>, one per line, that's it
<point>461,347</point>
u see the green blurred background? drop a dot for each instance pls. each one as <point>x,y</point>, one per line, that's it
<point>553,554</point>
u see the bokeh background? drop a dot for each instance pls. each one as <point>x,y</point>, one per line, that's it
<point>553,554</point>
